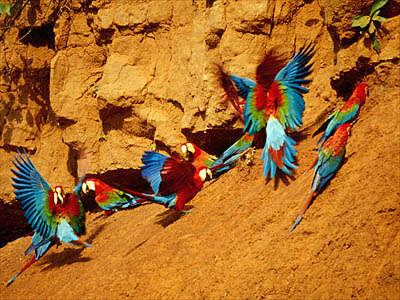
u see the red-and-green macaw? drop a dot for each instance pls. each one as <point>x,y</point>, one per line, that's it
<point>177,180</point>
<point>55,217</point>
<point>229,159</point>
<point>348,113</point>
<point>275,102</point>
<point>329,160</point>
<point>110,198</point>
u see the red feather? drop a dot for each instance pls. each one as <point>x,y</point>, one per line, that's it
<point>70,207</point>
<point>230,91</point>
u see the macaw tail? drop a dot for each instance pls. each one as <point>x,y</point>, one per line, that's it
<point>231,156</point>
<point>167,201</point>
<point>316,182</point>
<point>31,261</point>
<point>279,149</point>
<point>66,234</point>
<point>40,245</point>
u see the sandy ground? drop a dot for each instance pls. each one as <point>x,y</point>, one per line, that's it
<point>235,244</point>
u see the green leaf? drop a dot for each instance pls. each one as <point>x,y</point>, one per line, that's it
<point>378,18</point>
<point>377,5</point>
<point>361,21</point>
<point>376,13</point>
<point>371,28</point>
<point>8,9</point>
<point>376,46</point>
<point>1,9</point>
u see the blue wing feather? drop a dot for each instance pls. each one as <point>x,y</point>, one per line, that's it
<point>32,190</point>
<point>151,170</point>
<point>290,79</point>
<point>244,85</point>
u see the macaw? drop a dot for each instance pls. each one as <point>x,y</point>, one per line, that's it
<point>329,160</point>
<point>230,157</point>
<point>348,113</point>
<point>109,198</point>
<point>171,177</point>
<point>54,217</point>
<point>275,102</point>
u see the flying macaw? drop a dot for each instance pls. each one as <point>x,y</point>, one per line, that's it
<point>110,198</point>
<point>329,159</point>
<point>348,113</point>
<point>54,217</point>
<point>275,101</point>
<point>171,177</point>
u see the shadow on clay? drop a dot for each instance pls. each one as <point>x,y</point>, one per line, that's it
<point>70,255</point>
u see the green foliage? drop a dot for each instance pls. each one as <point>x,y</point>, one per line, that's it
<point>6,8</point>
<point>368,24</point>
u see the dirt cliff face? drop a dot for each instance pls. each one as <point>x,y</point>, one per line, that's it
<point>118,77</point>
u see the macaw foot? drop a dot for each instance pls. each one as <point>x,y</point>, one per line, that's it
<point>185,212</point>
<point>249,155</point>
<point>107,213</point>
<point>58,242</point>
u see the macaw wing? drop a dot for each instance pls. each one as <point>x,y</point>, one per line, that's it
<point>328,163</point>
<point>73,208</point>
<point>290,80</point>
<point>234,151</point>
<point>151,170</point>
<point>35,195</point>
<point>243,85</point>
<point>177,176</point>
<point>324,125</point>
<point>254,109</point>
<point>339,118</point>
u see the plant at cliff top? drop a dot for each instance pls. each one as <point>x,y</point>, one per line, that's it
<point>369,23</point>
<point>7,8</point>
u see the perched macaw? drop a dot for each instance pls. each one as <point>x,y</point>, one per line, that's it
<point>348,113</point>
<point>329,159</point>
<point>275,101</point>
<point>55,217</point>
<point>229,159</point>
<point>110,198</point>
<point>171,177</point>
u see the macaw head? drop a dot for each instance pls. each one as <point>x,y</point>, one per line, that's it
<point>361,91</point>
<point>88,186</point>
<point>190,151</point>
<point>58,195</point>
<point>205,174</point>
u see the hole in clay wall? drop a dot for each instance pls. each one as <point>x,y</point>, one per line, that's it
<point>38,36</point>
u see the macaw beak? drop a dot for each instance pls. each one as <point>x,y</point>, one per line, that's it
<point>184,151</point>
<point>85,189</point>
<point>61,198</point>
<point>88,186</point>
<point>58,196</point>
